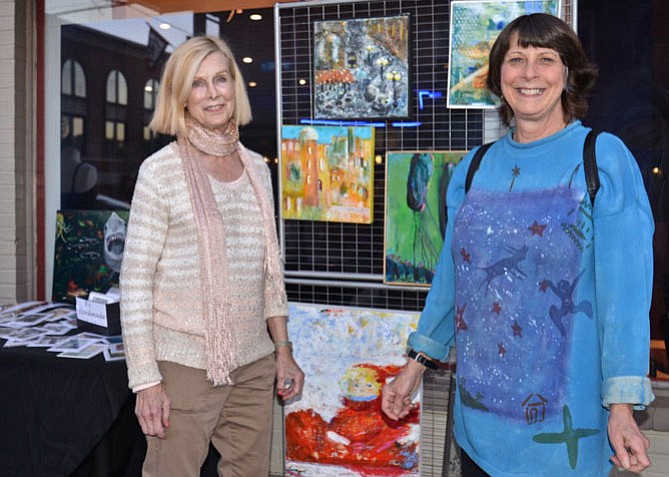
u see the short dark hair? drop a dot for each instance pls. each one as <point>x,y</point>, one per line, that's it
<point>541,30</point>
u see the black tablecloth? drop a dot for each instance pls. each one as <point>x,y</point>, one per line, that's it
<point>62,417</point>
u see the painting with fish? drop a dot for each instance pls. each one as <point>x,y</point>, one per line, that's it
<point>415,217</point>
<point>475,26</point>
<point>361,68</point>
<point>337,428</point>
<point>88,252</point>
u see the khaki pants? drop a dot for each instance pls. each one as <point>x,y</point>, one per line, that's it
<point>236,419</point>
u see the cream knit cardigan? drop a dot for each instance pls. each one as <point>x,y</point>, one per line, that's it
<point>161,301</point>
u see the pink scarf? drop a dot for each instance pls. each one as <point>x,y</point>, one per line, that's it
<point>220,331</point>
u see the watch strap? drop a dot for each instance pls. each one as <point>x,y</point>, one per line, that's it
<point>427,362</point>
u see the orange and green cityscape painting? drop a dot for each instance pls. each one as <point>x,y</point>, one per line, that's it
<point>327,173</point>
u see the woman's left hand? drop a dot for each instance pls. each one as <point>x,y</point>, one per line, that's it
<point>289,376</point>
<point>629,444</point>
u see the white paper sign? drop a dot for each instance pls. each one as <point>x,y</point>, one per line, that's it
<point>91,312</point>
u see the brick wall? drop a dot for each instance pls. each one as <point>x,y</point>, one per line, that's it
<point>17,174</point>
<point>8,196</point>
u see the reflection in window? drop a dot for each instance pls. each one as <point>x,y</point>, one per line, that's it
<point>150,94</point>
<point>115,131</point>
<point>117,88</point>
<point>72,131</point>
<point>73,81</point>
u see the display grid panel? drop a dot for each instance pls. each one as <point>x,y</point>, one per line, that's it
<point>354,251</point>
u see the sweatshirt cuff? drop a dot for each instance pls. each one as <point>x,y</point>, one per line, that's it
<point>423,344</point>
<point>635,390</point>
<point>142,387</point>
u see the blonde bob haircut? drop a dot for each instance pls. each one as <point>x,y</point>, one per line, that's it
<point>169,116</point>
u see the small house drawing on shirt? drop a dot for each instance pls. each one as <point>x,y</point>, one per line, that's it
<point>535,408</point>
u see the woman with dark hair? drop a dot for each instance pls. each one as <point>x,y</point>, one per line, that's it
<point>203,306</point>
<point>544,288</point>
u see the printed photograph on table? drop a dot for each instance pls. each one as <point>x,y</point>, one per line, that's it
<point>361,68</point>
<point>416,215</point>
<point>475,25</point>
<point>337,428</point>
<point>88,252</point>
<point>327,173</point>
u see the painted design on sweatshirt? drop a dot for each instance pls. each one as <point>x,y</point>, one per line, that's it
<point>512,336</point>
<point>515,172</point>
<point>564,290</point>
<point>579,227</point>
<point>569,436</point>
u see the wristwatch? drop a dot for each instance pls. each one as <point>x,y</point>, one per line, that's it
<point>427,362</point>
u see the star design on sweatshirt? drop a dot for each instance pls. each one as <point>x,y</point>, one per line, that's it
<point>537,229</point>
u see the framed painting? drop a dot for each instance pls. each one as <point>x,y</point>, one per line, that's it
<point>416,215</point>
<point>475,25</point>
<point>361,68</point>
<point>88,252</point>
<point>337,427</point>
<point>327,173</point>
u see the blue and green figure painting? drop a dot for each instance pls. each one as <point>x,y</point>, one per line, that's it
<point>415,219</point>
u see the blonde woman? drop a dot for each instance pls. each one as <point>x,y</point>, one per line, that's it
<point>203,306</point>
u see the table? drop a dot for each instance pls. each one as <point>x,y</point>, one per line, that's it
<point>66,417</point>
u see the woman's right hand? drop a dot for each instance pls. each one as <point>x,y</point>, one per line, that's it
<point>397,395</point>
<point>153,411</point>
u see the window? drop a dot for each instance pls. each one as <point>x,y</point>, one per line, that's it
<point>117,88</point>
<point>73,80</point>
<point>150,94</point>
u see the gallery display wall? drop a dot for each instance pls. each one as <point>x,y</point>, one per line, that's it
<point>343,262</point>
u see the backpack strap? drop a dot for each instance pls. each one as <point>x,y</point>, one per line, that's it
<point>590,165</point>
<point>476,162</point>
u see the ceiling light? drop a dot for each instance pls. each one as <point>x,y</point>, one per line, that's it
<point>302,82</point>
<point>255,16</point>
<point>252,84</point>
<point>164,26</point>
<point>247,59</point>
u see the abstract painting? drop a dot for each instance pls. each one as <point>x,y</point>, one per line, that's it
<point>327,173</point>
<point>415,218</point>
<point>361,68</point>
<point>337,428</point>
<point>88,252</point>
<point>475,25</point>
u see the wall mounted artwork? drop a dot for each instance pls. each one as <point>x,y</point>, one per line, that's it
<point>327,173</point>
<point>88,252</point>
<point>475,25</point>
<point>337,427</point>
<point>361,68</point>
<point>415,217</point>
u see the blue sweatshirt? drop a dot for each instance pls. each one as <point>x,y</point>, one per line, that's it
<point>547,299</point>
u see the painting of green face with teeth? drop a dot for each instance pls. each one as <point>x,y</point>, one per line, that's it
<point>88,252</point>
